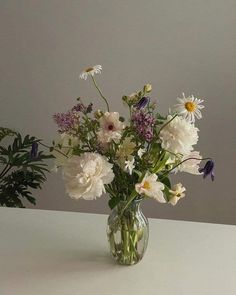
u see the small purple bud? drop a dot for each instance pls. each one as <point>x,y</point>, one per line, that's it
<point>208,170</point>
<point>142,102</point>
<point>34,150</point>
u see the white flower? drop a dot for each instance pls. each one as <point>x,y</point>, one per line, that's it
<point>177,193</point>
<point>91,71</point>
<point>189,107</point>
<point>190,166</point>
<point>66,143</point>
<point>86,175</point>
<point>110,127</point>
<point>178,136</point>
<point>129,165</point>
<point>151,187</point>
<point>141,152</point>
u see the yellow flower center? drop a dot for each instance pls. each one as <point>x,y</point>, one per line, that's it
<point>146,185</point>
<point>190,106</point>
<point>88,70</point>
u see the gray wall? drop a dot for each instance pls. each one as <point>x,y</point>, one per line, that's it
<point>177,46</point>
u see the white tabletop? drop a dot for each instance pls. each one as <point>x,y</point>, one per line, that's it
<point>49,252</point>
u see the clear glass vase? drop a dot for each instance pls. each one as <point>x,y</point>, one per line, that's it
<point>127,233</point>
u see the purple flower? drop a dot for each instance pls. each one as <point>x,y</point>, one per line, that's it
<point>66,122</point>
<point>80,107</point>
<point>143,123</point>
<point>208,169</point>
<point>142,102</point>
<point>34,150</point>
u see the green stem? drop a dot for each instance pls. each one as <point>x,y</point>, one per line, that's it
<point>54,149</point>
<point>163,126</point>
<point>168,171</point>
<point>100,92</point>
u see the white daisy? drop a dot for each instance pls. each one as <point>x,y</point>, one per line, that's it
<point>129,165</point>
<point>150,187</point>
<point>177,193</point>
<point>91,71</point>
<point>189,107</point>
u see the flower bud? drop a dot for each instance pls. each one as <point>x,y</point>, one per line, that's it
<point>147,88</point>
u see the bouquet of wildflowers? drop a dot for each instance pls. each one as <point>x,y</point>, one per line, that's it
<point>128,158</point>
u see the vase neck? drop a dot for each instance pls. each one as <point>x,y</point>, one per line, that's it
<point>133,206</point>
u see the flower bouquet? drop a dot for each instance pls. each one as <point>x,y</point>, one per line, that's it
<point>129,159</point>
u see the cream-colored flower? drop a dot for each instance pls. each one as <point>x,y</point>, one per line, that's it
<point>86,175</point>
<point>64,150</point>
<point>190,166</point>
<point>150,187</point>
<point>189,107</point>
<point>125,151</point>
<point>110,128</point>
<point>129,166</point>
<point>177,193</point>
<point>91,71</point>
<point>178,136</point>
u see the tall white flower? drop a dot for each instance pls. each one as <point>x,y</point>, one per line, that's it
<point>129,165</point>
<point>178,136</point>
<point>86,175</point>
<point>110,127</point>
<point>91,71</point>
<point>150,187</point>
<point>189,107</point>
<point>177,193</point>
<point>190,166</point>
<point>141,152</point>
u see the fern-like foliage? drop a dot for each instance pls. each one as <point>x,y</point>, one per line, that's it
<point>6,132</point>
<point>23,169</point>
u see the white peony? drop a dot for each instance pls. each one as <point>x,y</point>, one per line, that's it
<point>178,136</point>
<point>150,187</point>
<point>86,175</point>
<point>190,166</point>
<point>110,127</point>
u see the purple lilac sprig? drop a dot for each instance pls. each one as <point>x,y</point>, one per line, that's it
<point>66,122</point>
<point>143,123</point>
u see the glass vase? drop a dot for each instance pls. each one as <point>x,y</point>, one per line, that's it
<point>127,232</point>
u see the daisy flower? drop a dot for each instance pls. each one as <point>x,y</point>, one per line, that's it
<point>189,107</point>
<point>91,71</point>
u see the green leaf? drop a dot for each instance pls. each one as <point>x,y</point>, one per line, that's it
<point>6,132</point>
<point>166,182</point>
<point>113,202</point>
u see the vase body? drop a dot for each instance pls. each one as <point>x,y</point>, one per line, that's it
<point>127,232</point>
